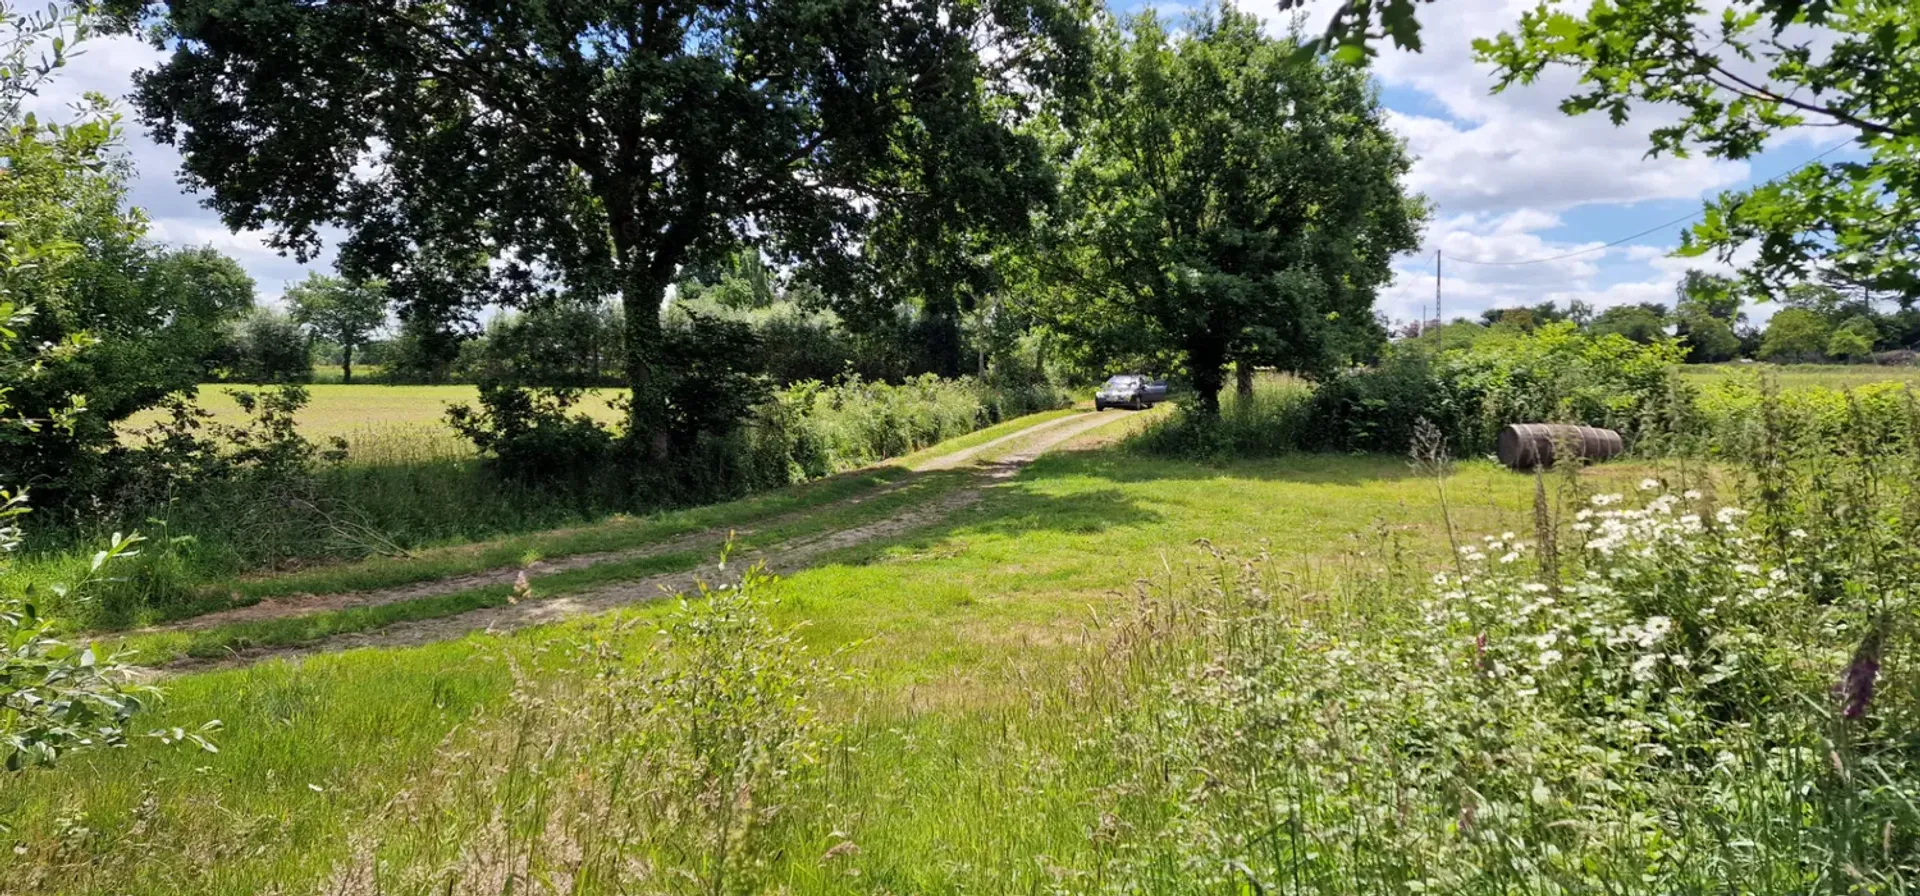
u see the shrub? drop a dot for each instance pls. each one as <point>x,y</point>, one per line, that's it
<point>1273,420</point>
<point>265,347</point>
<point>1530,720</point>
<point>536,435</point>
<point>1552,374</point>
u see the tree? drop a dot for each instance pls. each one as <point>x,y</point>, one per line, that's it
<point>1853,340</point>
<point>1225,200</point>
<point>514,148</point>
<point>1739,76</point>
<point>345,312</point>
<point>267,346</point>
<point>1710,295</point>
<point>130,321</point>
<point>1642,323</point>
<point>1795,334</point>
<point>1706,309</point>
<point>1581,313</point>
<point>1708,339</point>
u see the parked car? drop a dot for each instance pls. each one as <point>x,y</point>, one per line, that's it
<point>1130,390</point>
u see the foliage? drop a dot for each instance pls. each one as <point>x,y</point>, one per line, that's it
<point>1555,373</point>
<point>56,697</point>
<point>1795,334</point>
<point>1708,339</point>
<point>127,322</point>
<point>1737,76</point>
<point>1645,324</point>
<point>1854,339</point>
<point>1651,652</point>
<point>532,148</point>
<point>343,312</point>
<point>536,435</point>
<point>266,346</point>
<point>565,343</point>
<point>1709,295</point>
<point>1205,238</point>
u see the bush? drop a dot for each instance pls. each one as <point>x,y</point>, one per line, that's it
<point>266,347</point>
<point>536,436</point>
<point>1531,722</point>
<point>1553,374</point>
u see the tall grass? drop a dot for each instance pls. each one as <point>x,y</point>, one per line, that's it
<point>1275,419</point>
<point>1644,693</point>
<point>405,487</point>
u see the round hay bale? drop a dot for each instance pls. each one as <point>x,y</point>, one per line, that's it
<point>1528,446</point>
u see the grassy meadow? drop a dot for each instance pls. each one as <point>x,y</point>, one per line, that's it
<point>942,659</point>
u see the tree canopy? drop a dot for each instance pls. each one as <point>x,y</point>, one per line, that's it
<point>113,322</point>
<point>340,311</point>
<point>1738,75</point>
<point>504,148</point>
<point>1224,200</point>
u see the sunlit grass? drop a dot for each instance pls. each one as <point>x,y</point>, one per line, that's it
<point>1802,376</point>
<point>360,410</point>
<point>954,631</point>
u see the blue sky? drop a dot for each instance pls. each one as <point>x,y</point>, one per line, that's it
<point>1511,178</point>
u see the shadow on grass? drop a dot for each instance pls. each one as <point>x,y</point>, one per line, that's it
<point>1126,464</point>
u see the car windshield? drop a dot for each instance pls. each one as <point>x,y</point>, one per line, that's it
<point>1122,382</point>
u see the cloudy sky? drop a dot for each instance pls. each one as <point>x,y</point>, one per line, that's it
<point>1511,178</point>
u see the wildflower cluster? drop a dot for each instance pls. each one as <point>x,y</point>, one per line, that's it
<point>1505,726</point>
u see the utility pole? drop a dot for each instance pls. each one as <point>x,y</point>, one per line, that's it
<point>1437,313</point>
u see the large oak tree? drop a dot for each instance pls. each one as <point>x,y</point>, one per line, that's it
<point>505,147</point>
<point>1225,199</point>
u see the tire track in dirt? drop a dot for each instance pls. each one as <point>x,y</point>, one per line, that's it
<point>708,540</point>
<point>786,557</point>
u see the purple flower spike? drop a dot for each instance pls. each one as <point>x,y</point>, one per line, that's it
<point>1856,684</point>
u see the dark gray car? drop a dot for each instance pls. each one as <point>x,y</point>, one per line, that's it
<point>1130,390</point>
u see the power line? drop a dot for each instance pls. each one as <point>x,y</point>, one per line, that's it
<point>1657,227</point>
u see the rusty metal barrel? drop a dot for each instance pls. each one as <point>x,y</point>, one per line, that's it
<point>1525,446</point>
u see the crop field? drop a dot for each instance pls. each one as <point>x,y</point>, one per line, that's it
<point>1802,376</point>
<point>362,412</point>
<point>943,618</point>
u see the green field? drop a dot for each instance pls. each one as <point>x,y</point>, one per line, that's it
<point>938,638</point>
<point>363,411</point>
<point>1801,376</point>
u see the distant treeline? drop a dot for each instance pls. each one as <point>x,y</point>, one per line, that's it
<point>1823,321</point>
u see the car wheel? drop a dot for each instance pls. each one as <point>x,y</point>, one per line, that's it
<point>1099,406</point>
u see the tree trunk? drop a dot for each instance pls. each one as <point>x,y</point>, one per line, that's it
<point>1243,378</point>
<point>1207,362</point>
<point>346,364</point>
<point>640,302</point>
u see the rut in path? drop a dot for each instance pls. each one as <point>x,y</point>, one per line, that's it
<point>706,541</point>
<point>785,557</point>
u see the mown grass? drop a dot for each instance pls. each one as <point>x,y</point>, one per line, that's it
<point>956,632</point>
<point>614,533</point>
<point>1802,376</point>
<point>159,648</point>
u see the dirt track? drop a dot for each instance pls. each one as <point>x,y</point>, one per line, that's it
<point>1021,448</point>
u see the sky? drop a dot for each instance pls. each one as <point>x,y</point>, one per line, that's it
<point>1510,177</point>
